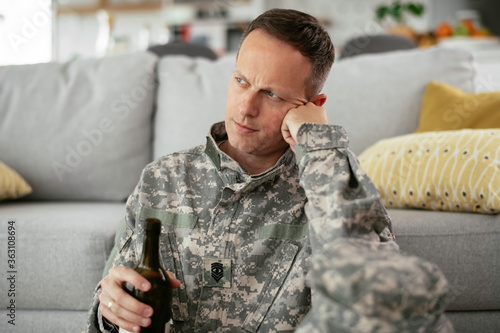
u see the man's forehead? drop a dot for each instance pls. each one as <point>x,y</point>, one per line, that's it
<point>259,36</point>
<point>274,65</point>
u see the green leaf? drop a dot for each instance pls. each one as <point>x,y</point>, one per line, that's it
<point>396,11</point>
<point>416,9</point>
<point>381,12</point>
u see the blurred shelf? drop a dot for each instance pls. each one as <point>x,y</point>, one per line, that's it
<point>108,5</point>
<point>479,43</point>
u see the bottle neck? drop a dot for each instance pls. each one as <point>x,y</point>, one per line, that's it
<point>150,250</point>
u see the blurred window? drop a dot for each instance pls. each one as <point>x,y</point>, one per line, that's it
<point>25,30</point>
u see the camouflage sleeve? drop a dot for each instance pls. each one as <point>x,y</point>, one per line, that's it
<point>360,281</point>
<point>123,253</point>
<point>342,200</point>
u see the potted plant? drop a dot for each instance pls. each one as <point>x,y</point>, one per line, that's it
<point>397,12</point>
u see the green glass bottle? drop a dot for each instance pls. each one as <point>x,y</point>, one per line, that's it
<point>159,297</point>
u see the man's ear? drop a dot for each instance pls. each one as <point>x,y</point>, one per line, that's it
<point>319,100</point>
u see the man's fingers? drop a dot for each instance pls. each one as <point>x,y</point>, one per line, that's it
<point>307,113</point>
<point>175,283</point>
<point>116,314</point>
<point>138,281</point>
<point>118,306</point>
<point>127,274</point>
<point>112,287</point>
<point>124,309</point>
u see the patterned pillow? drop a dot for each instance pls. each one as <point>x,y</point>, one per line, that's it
<point>12,185</point>
<point>450,170</point>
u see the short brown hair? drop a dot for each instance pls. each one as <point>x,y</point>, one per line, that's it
<point>306,34</point>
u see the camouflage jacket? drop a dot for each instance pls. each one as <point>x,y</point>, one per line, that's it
<point>248,258</point>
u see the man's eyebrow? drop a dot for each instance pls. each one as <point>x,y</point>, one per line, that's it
<point>241,75</point>
<point>238,74</point>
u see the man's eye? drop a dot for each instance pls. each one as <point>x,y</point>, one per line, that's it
<point>272,95</point>
<point>240,80</point>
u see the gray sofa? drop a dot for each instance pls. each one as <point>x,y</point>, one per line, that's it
<point>79,133</point>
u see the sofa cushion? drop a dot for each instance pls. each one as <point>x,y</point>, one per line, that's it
<point>191,97</point>
<point>475,321</point>
<point>43,321</point>
<point>60,252</point>
<point>79,130</point>
<point>377,96</point>
<point>464,245</point>
<point>449,170</point>
<point>447,108</point>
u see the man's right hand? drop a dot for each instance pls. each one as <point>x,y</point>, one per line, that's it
<point>119,307</point>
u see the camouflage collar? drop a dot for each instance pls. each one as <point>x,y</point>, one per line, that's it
<point>222,161</point>
<point>217,134</point>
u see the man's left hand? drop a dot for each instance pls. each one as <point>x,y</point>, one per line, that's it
<point>312,112</point>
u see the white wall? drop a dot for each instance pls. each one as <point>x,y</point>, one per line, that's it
<point>348,18</point>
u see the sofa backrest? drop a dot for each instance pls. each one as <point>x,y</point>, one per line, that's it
<point>82,130</point>
<point>372,96</point>
<point>191,97</point>
<point>79,130</point>
<point>376,96</point>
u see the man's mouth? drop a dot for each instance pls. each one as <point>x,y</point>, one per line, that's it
<point>244,129</point>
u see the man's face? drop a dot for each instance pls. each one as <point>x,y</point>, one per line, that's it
<point>268,80</point>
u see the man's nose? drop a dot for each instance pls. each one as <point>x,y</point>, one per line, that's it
<point>249,104</point>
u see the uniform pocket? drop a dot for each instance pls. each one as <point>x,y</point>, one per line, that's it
<point>280,270</point>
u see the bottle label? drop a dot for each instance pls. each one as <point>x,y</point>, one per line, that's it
<point>123,331</point>
<point>167,326</point>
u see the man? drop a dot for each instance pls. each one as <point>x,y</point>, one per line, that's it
<point>240,201</point>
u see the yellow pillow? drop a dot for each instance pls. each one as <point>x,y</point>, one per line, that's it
<point>445,108</point>
<point>451,170</point>
<point>12,185</point>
